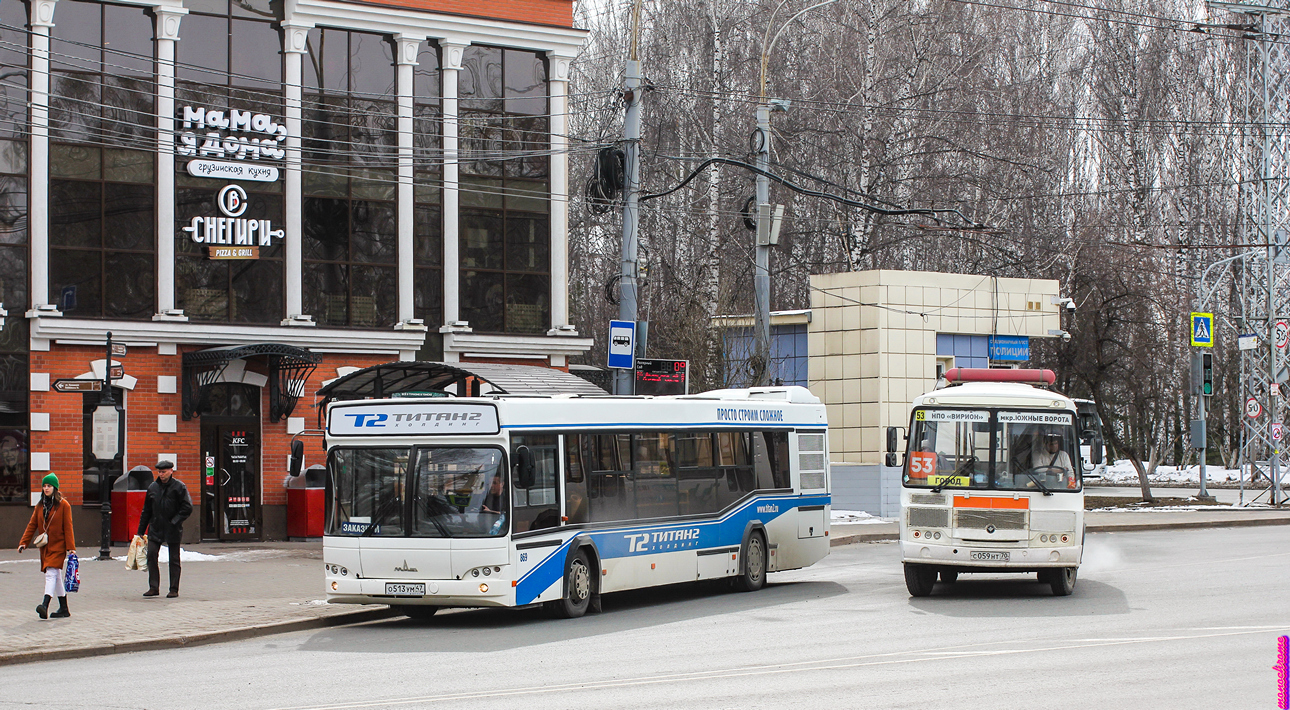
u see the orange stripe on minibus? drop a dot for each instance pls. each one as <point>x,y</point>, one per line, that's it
<point>991,502</point>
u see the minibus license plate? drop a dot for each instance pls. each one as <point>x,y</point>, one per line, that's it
<point>400,589</point>
<point>985,556</point>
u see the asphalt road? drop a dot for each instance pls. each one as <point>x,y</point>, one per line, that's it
<point>1184,619</point>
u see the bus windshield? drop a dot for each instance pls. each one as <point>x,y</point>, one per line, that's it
<point>981,449</point>
<point>456,492</point>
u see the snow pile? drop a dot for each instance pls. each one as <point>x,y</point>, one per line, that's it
<point>850,517</point>
<point>163,556</point>
<point>1122,473</point>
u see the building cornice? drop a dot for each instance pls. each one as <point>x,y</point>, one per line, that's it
<point>457,29</point>
<point>515,345</point>
<point>212,334</point>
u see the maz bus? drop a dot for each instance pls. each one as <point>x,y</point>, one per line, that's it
<point>504,501</point>
<point>993,480</point>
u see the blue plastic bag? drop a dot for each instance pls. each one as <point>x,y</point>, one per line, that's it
<point>72,573</point>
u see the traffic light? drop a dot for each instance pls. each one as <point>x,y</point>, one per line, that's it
<point>1206,374</point>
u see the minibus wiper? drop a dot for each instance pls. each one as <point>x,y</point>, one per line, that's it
<point>1039,485</point>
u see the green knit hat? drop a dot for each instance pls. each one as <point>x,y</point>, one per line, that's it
<point>50,479</point>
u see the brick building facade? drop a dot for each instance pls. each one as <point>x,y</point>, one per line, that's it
<point>254,196</point>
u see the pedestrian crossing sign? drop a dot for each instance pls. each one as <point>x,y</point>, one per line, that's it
<point>1202,330</point>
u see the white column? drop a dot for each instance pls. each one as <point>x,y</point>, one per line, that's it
<point>407,48</point>
<point>450,70</point>
<point>293,45</point>
<point>559,108</point>
<point>42,20</point>
<point>168,19</point>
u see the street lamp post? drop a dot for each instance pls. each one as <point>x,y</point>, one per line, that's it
<point>761,142</point>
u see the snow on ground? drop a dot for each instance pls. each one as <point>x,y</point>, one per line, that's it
<point>850,517</point>
<point>163,556</point>
<point>1123,473</point>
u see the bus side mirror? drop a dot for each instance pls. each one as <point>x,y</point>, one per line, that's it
<point>297,457</point>
<point>525,467</point>
<point>891,460</point>
<point>1096,447</point>
<point>891,441</point>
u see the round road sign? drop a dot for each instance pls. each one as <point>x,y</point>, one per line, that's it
<point>1281,333</point>
<point>1252,408</point>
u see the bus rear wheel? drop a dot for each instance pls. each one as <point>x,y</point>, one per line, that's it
<point>919,579</point>
<point>754,575</point>
<point>577,586</point>
<point>1062,580</point>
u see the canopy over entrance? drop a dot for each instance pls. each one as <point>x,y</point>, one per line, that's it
<point>288,366</point>
<point>433,379</point>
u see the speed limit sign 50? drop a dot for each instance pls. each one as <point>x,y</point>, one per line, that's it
<point>1252,408</point>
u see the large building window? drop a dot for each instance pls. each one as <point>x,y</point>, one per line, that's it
<point>505,191</point>
<point>14,364</point>
<point>427,111</point>
<point>350,219</point>
<point>102,162</point>
<point>230,58</point>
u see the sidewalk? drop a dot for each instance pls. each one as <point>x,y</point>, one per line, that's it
<point>1098,522</point>
<point>244,590</point>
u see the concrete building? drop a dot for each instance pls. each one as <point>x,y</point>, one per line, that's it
<point>254,196</point>
<point>877,339</point>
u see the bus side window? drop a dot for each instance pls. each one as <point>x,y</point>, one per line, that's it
<point>771,459</point>
<point>610,485</point>
<point>696,475</point>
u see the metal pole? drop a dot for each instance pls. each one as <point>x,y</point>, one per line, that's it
<point>761,276</point>
<point>631,210</point>
<point>105,466</point>
<point>1203,442</point>
<point>1274,458</point>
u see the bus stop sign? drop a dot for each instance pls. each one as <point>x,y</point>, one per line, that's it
<point>622,344</point>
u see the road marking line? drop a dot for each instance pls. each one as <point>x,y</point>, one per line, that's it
<point>763,670</point>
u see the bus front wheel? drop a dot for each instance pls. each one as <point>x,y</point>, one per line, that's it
<point>577,585</point>
<point>919,579</point>
<point>754,575</point>
<point>1062,580</point>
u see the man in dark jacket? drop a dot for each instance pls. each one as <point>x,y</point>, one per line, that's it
<point>165,508</point>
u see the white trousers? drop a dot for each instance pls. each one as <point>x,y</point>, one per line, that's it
<point>54,582</point>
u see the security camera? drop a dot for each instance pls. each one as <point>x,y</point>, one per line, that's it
<point>1066,336</point>
<point>1067,303</point>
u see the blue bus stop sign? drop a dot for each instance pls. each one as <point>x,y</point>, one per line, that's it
<point>622,344</point>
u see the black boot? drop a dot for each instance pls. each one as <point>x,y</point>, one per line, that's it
<point>43,608</point>
<point>62,612</point>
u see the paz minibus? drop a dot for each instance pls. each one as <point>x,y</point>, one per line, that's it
<point>512,501</point>
<point>993,480</point>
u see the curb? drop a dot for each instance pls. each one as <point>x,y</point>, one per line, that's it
<point>199,639</point>
<point>1103,528</point>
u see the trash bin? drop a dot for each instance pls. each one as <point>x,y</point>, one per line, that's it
<point>128,493</point>
<point>306,503</point>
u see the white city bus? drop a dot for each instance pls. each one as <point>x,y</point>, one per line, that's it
<point>993,480</point>
<point>500,501</point>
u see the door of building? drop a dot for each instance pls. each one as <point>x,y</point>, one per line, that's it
<point>231,464</point>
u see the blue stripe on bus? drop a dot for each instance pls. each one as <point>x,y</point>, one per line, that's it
<point>652,539</point>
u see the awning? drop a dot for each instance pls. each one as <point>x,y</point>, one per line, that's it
<point>461,380</point>
<point>288,366</point>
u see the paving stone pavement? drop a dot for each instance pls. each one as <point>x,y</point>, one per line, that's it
<point>246,590</point>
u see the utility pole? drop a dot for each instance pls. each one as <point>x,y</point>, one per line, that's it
<point>624,379</point>
<point>761,274</point>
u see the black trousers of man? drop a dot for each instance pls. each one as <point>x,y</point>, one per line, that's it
<point>154,571</point>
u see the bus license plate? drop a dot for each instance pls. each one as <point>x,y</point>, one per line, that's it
<point>400,589</point>
<point>992,556</point>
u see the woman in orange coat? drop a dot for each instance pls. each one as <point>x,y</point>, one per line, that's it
<point>54,517</point>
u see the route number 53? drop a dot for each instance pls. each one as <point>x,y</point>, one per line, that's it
<point>922,464</point>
